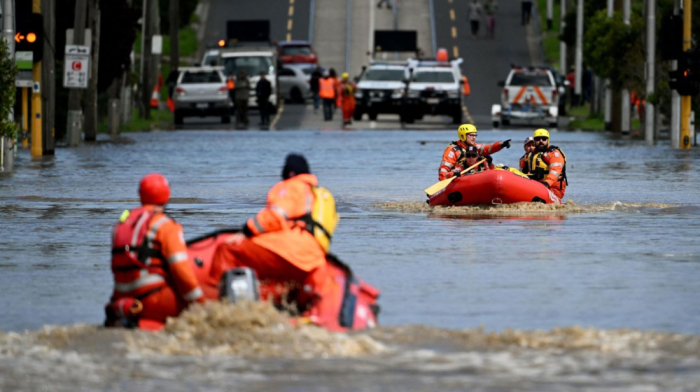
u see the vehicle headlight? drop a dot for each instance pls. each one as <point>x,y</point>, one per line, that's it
<point>398,93</point>
<point>413,93</point>
<point>358,93</point>
<point>453,94</point>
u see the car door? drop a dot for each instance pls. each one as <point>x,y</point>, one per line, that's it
<point>287,78</point>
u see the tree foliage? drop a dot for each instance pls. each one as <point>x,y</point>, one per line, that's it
<point>8,70</point>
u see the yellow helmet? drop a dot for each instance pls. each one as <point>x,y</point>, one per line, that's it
<point>465,129</point>
<point>344,76</point>
<point>540,133</point>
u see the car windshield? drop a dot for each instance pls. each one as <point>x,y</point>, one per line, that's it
<point>210,59</point>
<point>383,75</point>
<point>530,79</point>
<point>200,77</point>
<point>433,77</point>
<point>296,50</point>
<point>252,65</point>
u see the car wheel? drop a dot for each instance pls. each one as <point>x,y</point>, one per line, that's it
<point>457,118</point>
<point>553,124</point>
<point>357,116</point>
<point>373,116</point>
<point>505,122</point>
<point>177,117</point>
<point>296,95</point>
<point>495,124</point>
<point>407,118</point>
<point>226,119</point>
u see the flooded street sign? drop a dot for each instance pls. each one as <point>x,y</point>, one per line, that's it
<point>76,66</point>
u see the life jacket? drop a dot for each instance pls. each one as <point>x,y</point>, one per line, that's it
<point>526,158</point>
<point>483,166</point>
<point>326,88</point>
<point>323,219</point>
<point>133,251</point>
<point>539,169</point>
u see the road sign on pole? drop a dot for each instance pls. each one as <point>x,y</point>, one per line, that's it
<point>25,64</point>
<point>76,66</point>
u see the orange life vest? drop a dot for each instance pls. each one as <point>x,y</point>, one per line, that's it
<point>326,88</point>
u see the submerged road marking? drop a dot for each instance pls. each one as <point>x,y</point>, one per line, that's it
<point>454,32</point>
<point>452,14</point>
<point>455,51</point>
<point>289,36</point>
<point>289,24</point>
<point>291,11</point>
<point>279,114</point>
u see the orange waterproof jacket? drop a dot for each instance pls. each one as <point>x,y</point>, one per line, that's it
<point>549,167</point>
<point>453,157</point>
<point>277,229</point>
<point>326,88</point>
<point>164,261</point>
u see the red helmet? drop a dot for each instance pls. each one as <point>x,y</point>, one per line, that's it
<point>154,189</point>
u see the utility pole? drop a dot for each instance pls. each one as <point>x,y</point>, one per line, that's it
<point>8,26</point>
<point>608,89</point>
<point>550,12</point>
<point>146,39</point>
<point>675,97</point>
<point>562,43</point>
<point>37,144</point>
<point>579,48</point>
<point>48,90</point>
<point>684,142</point>
<point>626,10</point>
<point>75,110</point>
<point>651,64</point>
<point>91,109</point>
<point>175,35</point>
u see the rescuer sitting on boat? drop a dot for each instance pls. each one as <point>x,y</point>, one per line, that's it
<point>471,158</point>
<point>529,147</point>
<point>547,164</point>
<point>153,278</point>
<point>286,241</point>
<point>453,159</point>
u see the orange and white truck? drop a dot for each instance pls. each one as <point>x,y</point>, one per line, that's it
<point>529,94</point>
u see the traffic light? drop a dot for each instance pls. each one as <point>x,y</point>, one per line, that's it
<point>29,35</point>
<point>686,78</point>
<point>671,37</point>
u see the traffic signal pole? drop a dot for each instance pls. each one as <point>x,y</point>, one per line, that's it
<point>684,142</point>
<point>8,26</point>
<point>37,148</point>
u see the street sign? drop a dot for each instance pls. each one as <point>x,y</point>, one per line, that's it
<point>24,62</point>
<point>76,66</point>
<point>157,44</point>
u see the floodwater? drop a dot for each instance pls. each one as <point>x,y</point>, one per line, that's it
<point>600,294</point>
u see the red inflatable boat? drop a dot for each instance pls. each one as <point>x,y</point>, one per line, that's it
<point>350,305</point>
<point>492,187</point>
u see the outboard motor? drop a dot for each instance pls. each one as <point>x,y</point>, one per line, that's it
<point>238,284</point>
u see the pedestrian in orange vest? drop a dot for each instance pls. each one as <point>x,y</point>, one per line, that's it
<point>277,243</point>
<point>153,279</point>
<point>336,87</point>
<point>327,92</point>
<point>347,98</point>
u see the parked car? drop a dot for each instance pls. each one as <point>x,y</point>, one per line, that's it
<point>529,94</point>
<point>296,52</point>
<point>435,88</point>
<point>201,91</point>
<point>380,89</point>
<point>294,82</point>
<point>210,58</point>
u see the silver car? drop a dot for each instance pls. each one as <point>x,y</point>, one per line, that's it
<point>294,82</point>
<point>202,92</point>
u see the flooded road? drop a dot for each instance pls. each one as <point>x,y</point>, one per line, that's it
<point>611,278</point>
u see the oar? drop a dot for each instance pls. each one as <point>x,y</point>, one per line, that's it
<point>443,184</point>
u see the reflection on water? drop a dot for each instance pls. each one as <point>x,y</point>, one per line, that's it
<point>489,297</point>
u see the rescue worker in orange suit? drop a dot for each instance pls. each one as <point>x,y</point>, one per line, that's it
<point>153,279</point>
<point>528,146</point>
<point>347,98</point>
<point>327,92</point>
<point>453,158</point>
<point>547,164</point>
<point>276,243</point>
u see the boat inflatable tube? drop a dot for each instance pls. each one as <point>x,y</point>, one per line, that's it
<point>499,186</point>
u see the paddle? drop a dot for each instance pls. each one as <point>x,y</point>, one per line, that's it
<point>443,184</point>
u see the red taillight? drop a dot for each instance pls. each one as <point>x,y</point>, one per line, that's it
<point>505,93</point>
<point>223,89</point>
<point>554,95</point>
<point>180,90</point>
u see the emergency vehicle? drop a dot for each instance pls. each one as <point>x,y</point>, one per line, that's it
<point>434,88</point>
<point>529,94</point>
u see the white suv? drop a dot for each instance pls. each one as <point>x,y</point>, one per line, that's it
<point>528,94</point>
<point>435,88</point>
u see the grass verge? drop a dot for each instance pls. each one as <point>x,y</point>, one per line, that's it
<point>550,38</point>
<point>160,119</point>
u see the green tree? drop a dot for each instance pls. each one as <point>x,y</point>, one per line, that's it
<point>7,91</point>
